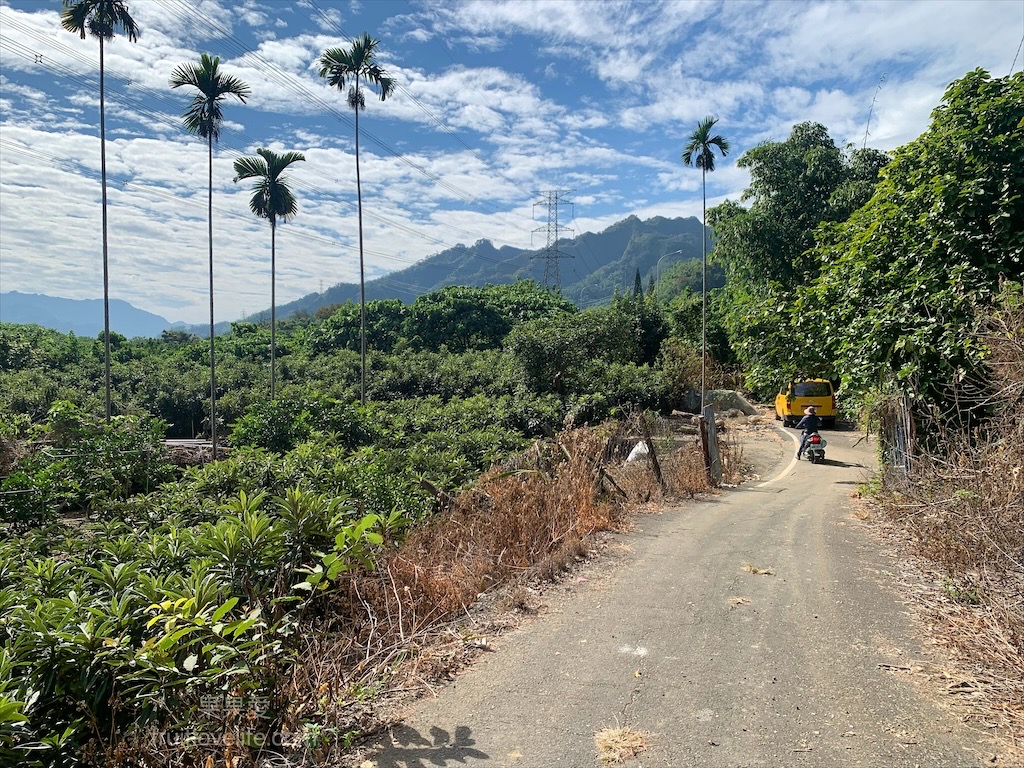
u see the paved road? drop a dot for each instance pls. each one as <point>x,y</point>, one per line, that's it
<point>792,678</point>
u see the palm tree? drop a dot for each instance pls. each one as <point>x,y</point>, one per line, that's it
<point>101,19</point>
<point>203,118</point>
<point>271,199</point>
<point>699,152</point>
<point>340,66</point>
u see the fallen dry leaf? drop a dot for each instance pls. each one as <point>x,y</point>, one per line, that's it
<point>751,568</point>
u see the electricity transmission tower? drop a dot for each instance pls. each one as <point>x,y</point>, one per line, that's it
<point>552,199</point>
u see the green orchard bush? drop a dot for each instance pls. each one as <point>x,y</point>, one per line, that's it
<point>122,629</point>
<point>76,463</point>
<point>282,424</point>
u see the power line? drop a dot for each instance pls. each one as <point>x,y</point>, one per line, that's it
<point>296,84</point>
<point>186,13</point>
<point>172,122</point>
<point>586,244</point>
<point>125,182</point>
<point>423,108</point>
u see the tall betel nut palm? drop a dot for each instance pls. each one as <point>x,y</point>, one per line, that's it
<point>203,118</point>
<point>272,200</point>
<point>348,67</point>
<point>101,19</point>
<point>699,152</point>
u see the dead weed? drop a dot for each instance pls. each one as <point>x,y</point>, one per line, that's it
<point>961,508</point>
<point>393,633</point>
<point>616,745</point>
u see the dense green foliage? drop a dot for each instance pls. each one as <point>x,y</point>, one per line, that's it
<point>141,597</point>
<point>74,463</point>
<point>128,636</point>
<point>795,185</point>
<point>902,279</point>
<point>452,344</point>
<point>832,274</point>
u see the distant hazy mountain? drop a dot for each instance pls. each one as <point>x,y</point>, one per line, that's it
<point>82,316</point>
<point>597,265</point>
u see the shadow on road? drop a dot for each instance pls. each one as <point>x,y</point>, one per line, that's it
<point>411,749</point>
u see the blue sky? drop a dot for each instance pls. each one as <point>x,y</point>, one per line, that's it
<point>497,101</point>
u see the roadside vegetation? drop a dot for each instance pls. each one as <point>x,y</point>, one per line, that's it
<point>901,277</point>
<point>960,503</point>
<point>158,610</point>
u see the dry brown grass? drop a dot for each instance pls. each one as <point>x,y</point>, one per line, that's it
<point>978,673</point>
<point>396,632</point>
<point>962,508</point>
<point>616,745</point>
<point>964,500</point>
<point>511,523</point>
<point>678,455</point>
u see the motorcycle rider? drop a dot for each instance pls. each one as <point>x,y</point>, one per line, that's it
<point>809,423</point>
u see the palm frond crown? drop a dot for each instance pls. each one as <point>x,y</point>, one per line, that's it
<point>204,115</point>
<point>271,198</point>
<point>699,150</point>
<point>340,66</point>
<point>99,18</point>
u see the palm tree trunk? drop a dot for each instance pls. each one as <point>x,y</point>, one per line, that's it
<point>703,287</point>
<point>273,309</point>
<point>362,276</point>
<point>106,271</point>
<point>213,375</point>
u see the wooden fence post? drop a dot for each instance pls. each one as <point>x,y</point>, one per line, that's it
<point>655,464</point>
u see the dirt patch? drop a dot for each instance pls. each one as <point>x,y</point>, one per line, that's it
<point>761,444</point>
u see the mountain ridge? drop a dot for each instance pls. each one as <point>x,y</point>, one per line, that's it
<point>593,267</point>
<point>83,317</point>
<point>607,262</point>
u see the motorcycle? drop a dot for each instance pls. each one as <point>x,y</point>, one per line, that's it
<point>815,448</point>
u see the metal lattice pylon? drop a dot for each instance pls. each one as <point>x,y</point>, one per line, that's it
<point>552,199</point>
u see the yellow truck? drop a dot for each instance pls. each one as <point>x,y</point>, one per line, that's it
<point>794,397</point>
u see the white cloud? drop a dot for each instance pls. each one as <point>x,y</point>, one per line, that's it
<point>499,100</point>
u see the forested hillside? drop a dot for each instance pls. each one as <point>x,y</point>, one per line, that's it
<point>597,265</point>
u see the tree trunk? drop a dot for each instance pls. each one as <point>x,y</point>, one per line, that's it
<point>213,374</point>
<point>273,309</point>
<point>703,287</point>
<point>106,271</point>
<point>362,276</point>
